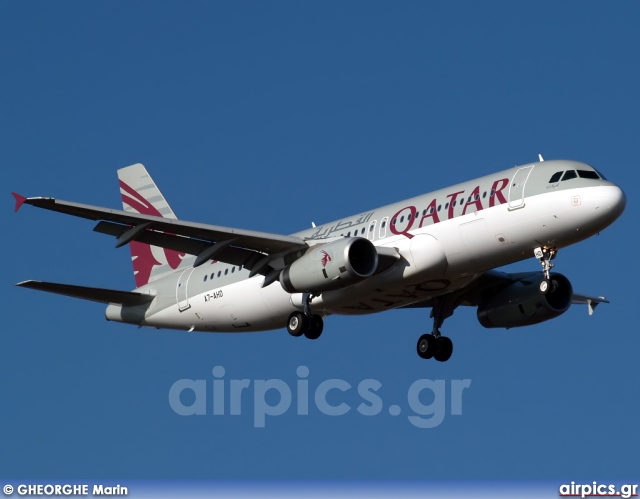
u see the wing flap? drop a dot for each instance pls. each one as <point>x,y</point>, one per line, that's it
<point>100,295</point>
<point>229,254</point>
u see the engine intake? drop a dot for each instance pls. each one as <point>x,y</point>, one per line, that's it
<point>331,266</point>
<point>523,304</point>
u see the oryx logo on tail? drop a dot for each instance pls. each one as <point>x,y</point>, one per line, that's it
<point>147,259</point>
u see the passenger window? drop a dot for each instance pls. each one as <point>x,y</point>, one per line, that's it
<point>588,174</point>
<point>213,275</point>
<point>372,230</point>
<point>569,174</point>
<point>226,271</point>
<point>205,278</point>
<point>383,227</point>
<point>219,273</point>
<point>233,269</point>
<point>555,177</point>
<point>424,212</point>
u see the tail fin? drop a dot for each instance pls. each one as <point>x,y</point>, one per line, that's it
<point>141,195</point>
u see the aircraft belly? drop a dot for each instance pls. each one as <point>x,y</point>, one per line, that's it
<point>392,295</point>
<point>237,307</point>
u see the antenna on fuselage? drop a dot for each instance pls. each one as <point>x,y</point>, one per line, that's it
<point>313,224</point>
<point>541,158</point>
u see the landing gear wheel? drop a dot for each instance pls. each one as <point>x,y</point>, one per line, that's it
<point>427,346</point>
<point>297,324</point>
<point>316,325</point>
<point>544,256</point>
<point>544,286</point>
<point>445,349</point>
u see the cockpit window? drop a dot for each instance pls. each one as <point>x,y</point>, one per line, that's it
<point>588,174</point>
<point>555,178</point>
<point>601,175</point>
<point>569,174</point>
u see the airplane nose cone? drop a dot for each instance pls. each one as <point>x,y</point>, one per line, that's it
<point>610,203</point>
<point>616,200</point>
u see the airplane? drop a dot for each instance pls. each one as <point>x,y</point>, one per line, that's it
<point>438,250</point>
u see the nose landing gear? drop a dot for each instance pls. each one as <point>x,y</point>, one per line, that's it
<point>544,256</point>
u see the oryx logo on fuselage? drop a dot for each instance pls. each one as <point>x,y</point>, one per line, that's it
<point>326,258</point>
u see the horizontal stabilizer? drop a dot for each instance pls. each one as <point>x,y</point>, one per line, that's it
<point>86,293</point>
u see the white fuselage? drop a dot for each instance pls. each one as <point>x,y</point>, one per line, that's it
<point>496,220</point>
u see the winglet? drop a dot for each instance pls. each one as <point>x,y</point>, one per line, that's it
<point>19,200</point>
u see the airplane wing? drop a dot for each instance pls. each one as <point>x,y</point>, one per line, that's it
<point>494,278</point>
<point>471,295</point>
<point>254,250</point>
<point>591,301</point>
<point>259,252</point>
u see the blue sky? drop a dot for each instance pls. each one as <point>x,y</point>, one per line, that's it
<point>270,115</point>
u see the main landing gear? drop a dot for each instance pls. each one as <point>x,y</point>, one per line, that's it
<point>300,324</point>
<point>311,325</point>
<point>435,345</point>
<point>544,256</point>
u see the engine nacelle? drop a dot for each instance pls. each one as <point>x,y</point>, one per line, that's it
<point>331,266</point>
<point>523,304</point>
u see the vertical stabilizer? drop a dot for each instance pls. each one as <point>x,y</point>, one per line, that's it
<point>140,194</point>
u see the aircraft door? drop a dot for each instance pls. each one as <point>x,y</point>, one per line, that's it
<point>181,290</point>
<point>516,189</point>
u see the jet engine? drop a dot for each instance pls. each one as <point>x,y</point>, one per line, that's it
<point>331,266</point>
<point>522,303</point>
